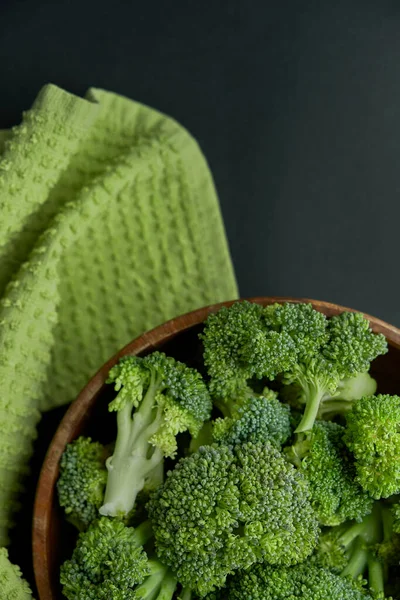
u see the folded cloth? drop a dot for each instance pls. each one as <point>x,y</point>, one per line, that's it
<point>109,225</point>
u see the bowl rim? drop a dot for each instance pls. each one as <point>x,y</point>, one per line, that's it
<point>147,341</point>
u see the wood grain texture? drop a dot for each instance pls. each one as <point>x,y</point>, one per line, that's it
<point>51,537</point>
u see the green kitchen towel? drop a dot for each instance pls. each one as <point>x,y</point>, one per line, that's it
<point>109,225</point>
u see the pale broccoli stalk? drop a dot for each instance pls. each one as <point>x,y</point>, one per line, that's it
<point>365,549</point>
<point>158,397</point>
<point>373,436</point>
<point>348,351</point>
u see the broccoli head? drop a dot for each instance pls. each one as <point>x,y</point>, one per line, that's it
<point>304,581</point>
<point>321,379</point>
<point>373,436</point>
<point>257,419</point>
<point>315,356</point>
<point>225,508</point>
<point>238,346</point>
<point>328,466</point>
<point>158,397</point>
<point>82,481</point>
<point>109,563</point>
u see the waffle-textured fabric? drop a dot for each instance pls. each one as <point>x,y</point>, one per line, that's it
<point>109,225</point>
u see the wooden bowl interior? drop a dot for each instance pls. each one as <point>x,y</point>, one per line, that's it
<point>53,537</point>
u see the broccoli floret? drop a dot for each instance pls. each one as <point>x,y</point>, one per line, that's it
<point>328,466</point>
<point>395,510</point>
<point>82,481</point>
<point>322,377</point>
<point>315,355</point>
<point>238,346</point>
<point>303,581</point>
<point>258,419</point>
<point>224,508</point>
<point>158,397</point>
<point>366,548</point>
<point>373,436</point>
<point>109,563</point>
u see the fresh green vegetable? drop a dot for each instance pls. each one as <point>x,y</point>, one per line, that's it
<point>82,481</point>
<point>234,519</point>
<point>367,548</point>
<point>316,356</point>
<point>109,563</point>
<point>238,347</point>
<point>258,419</point>
<point>323,375</point>
<point>158,397</point>
<point>328,466</point>
<point>222,509</point>
<point>373,436</point>
<point>306,581</point>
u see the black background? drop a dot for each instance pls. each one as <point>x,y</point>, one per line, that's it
<point>295,104</point>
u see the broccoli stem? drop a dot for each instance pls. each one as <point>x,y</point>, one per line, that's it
<point>143,533</point>
<point>314,393</point>
<point>330,408</point>
<point>367,535</point>
<point>186,594</point>
<point>358,561</point>
<point>376,578</point>
<point>130,465</point>
<point>168,587</point>
<point>150,588</point>
<point>204,437</point>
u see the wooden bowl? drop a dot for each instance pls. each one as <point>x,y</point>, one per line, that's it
<point>53,538</point>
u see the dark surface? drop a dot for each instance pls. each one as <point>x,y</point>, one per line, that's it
<point>296,106</point>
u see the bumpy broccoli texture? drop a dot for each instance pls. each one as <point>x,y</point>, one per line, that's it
<point>109,563</point>
<point>82,481</point>
<point>258,419</point>
<point>272,475</point>
<point>225,508</point>
<point>264,582</point>
<point>158,397</point>
<point>328,466</point>
<point>373,436</point>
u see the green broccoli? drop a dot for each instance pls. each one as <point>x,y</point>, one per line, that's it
<point>257,419</point>
<point>238,347</point>
<point>373,436</point>
<point>325,462</point>
<point>109,563</point>
<point>225,508</point>
<point>366,548</point>
<point>300,582</point>
<point>82,481</point>
<point>324,377</point>
<point>318,357</point>
<point>158,397</point>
